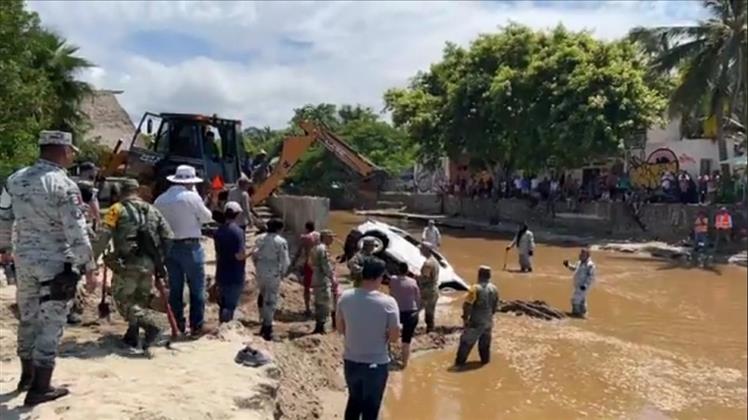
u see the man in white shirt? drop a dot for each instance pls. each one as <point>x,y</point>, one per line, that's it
<point>431,234</point>
<point>185,212</point>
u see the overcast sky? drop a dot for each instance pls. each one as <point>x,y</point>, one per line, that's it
<point>258,61</point>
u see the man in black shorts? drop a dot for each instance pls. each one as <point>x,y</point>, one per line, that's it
<point>404,289</point>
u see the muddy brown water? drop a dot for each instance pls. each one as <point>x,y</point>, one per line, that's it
<point>662,341</point>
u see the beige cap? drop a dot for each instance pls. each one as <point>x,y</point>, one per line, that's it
<point>62,138</point>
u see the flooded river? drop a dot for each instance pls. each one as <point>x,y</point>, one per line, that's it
<point>661,341</point>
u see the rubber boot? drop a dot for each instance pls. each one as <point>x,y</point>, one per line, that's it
<point>429,323</point>
<point>334,322</point>
<point>151,334</point>
<point>462,354</point>
<point>267,333</point>
<point>27,375</point>
<point>131,336</point>
<point>41,391</point>
<point>319,327</point>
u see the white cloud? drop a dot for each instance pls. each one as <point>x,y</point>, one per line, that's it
<point>358,49</point>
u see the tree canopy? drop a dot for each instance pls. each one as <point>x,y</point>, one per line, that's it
<point>710,59</point>
<point>38,88</point>
<point>529,99</point>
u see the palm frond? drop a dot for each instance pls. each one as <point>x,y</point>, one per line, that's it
<point>696,80</point>
<point>670,33</point>
<point>679,54</point>
<point>722,9</point>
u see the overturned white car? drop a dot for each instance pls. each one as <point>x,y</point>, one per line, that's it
<point>399,246</point>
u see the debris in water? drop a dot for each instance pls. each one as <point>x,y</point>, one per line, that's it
<point>535,309</point>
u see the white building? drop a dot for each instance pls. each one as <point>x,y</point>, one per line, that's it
<point>696,156</point>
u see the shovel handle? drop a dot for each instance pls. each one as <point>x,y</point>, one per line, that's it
<point>169,313</point>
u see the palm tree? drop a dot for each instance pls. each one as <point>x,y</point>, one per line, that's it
<point>58,59</point>
<point>711,59</point>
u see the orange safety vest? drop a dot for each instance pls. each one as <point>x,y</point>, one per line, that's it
<point>723,221</point>
<point>701,225</point>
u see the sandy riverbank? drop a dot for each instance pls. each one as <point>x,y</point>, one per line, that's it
<point>194,379</point>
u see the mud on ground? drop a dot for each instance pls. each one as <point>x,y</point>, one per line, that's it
<point>305,382</point>
<point>311,364</point>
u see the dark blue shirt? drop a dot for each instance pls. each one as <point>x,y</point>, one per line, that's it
<point>229,240</point>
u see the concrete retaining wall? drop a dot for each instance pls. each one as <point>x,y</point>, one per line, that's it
<point>297,210</point>
<point>669,222</point>
<point>416,203</point>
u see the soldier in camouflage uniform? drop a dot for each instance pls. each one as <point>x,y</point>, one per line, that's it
<point>271,263</point>
<point>50,243</point>
<point>132,269</point>
<point>428,283</point>
<point>356,263</point>
<point>322,277</point>
<point>481,303</point>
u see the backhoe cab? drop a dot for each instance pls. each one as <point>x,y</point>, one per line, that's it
<point>164,141</point>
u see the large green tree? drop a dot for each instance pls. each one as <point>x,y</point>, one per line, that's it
<point>528,99</point>
<point>25,91</point>
<point>38,85</point>
<point>710,58</point>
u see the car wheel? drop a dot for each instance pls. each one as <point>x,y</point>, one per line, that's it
<point>381,236</point>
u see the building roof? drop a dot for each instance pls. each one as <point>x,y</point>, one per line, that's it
<point>109,121</point>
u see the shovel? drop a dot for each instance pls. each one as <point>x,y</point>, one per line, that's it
<point>104,310</point>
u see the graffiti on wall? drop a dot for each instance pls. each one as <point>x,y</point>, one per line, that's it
<point>648,173</point>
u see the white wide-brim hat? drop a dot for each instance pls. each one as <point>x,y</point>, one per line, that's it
<point>185,174</point>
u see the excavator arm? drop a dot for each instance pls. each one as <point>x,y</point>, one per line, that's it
<point>295,146</point>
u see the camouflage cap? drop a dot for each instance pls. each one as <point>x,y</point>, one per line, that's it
<point>326,232</point>
<point>129,185</point>
<point>62,138</point>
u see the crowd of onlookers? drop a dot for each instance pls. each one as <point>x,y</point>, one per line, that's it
<point>673,187</point>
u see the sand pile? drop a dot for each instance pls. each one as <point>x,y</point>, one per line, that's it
<point>194,380</point>
<point>198,379</point>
